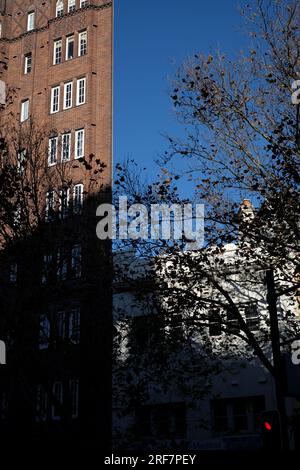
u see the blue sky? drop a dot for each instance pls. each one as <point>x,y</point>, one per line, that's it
<point>151,36</point>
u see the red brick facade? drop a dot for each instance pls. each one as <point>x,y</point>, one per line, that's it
<point>95,115</point>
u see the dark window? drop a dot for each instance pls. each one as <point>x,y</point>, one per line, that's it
<point>215,324</point>
<point>146,331</point>
<point>167,420</point>
<point>251,315</point>
<point>237,415</point>
<point>232,323</point>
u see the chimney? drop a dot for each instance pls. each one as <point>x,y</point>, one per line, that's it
<point>246,212</point>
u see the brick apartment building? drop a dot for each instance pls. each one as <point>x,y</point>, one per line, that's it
<point>56,63</point>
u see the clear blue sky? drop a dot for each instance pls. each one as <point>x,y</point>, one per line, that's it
<point>150,36</point>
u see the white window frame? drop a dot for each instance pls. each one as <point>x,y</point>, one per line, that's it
<point>55,109</point>
<point>58,392</point>
<point>25,110</point>
<point>70,38</point>
<point>65,138</point>
<point>83,3</point>
<point>82,36</point>
<point>79,132</point>
<point>51,141</point>
<point>57,45</point>
<point>59,8</point>
<point>77,207</point>
<point>66,93</point>
<point>30,20</point>
<point>71,5</point>
<point>81,97</point>
<point>64,210</point>
<point>27,63</point>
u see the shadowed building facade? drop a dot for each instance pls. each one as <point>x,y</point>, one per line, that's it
<point>56,64</point>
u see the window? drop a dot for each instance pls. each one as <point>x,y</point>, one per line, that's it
<point>82,43</point>
<point>30,21</point>
<point>59,8</point>
<point>76,261</point>
<point>80,98</point>
<point>44,333</point>
<point>68,95</point>
<point>70,48</point>
<point>64,203</point>
<point>13,273</point>
<point>57,52</point>
<point>74,394</point>
<point>79,143</point>
<point>237,415</point>
<point>215,325</point>
<point>41,404</point>
<point>47,268</point>
<point>27,63</point>
<point>233,326</point>
<point>77,198</point>
<point>68,326</point>
<point>58,393</point>
<point>49,206</point>
<point>66,147</point>
<point>52,153</point>
<point>146,331</point>
<point>55,92</point>
<point>251,316</point>
<point>83,3</point>
<point>21,161</point>
<point>24,110</point>
<point>61,326</point>
<point>74,326</point>
<point>62,265</point>
<point>71,5</point>
<point>0,30</point>
<point>165,420</point>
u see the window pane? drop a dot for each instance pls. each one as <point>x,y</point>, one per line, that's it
<point>64,203</point>
<point>70,48</point>
<point>79,149</point>
<point>59,8</point>
<point>30,21</point>
<point>25,110</point>
<point>80,91</point>
<point>57,56</point>
<point>68,95</point>
<point>28,63</point>
<point>66,147</point>
<point>52,157</point>
<point>78,198</point>
<point>49,205</point>
<point>252,317</point>
<point>74,326</point>
<point>82,43</point>
<point>71,5</point>
<point>55,100</point>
